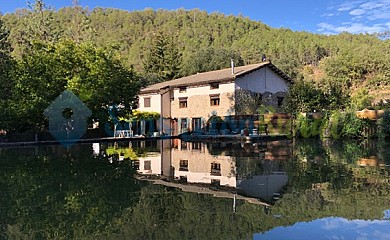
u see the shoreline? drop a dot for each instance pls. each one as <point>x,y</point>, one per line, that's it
<point>189,138</point>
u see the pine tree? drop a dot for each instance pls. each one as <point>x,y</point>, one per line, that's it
<point>163,58</point>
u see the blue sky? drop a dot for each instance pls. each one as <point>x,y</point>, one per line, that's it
<point>330,228</point>
<point>317,16</point>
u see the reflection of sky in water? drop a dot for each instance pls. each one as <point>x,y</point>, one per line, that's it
<point>331,228</point>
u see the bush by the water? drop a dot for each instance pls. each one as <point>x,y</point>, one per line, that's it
<point>338,124</point>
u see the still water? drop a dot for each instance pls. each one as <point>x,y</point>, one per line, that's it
<point>171,189</point>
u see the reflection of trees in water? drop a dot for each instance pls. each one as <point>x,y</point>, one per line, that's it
<point>345,179</point>
<point>54,193</point>
<point>247,167</point>
<point>166,213</point>
<point>343,164</point>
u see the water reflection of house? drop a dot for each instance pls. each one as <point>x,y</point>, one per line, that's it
<point>150,164</point>
<point>278,150</point>
<point>266,187</point>
<point>216,164</point>
<point>193,162</point>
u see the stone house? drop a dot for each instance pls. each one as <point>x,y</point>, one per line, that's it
<point>188,103</point>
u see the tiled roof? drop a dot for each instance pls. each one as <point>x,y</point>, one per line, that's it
<point>214,76</point>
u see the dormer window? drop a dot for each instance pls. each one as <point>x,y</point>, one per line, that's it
<point>214,85</point>
<point>182,89</point>
<point>183,102</point>
<point>214,100</point>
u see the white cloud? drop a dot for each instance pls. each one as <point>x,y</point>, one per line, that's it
<point>378,14</point>
<point>328,15</point>
<point>352,28</point>
<point>348,6</point>
<point>357,12</point>
<point>372,5</point>
<point>361,16</point>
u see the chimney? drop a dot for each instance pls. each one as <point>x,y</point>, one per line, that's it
<point>263,58</point>
<point>232,64</point>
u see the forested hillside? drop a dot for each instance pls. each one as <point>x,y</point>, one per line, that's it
<point>161,45</point>
<point>208,41</point>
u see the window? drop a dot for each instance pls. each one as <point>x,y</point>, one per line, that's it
<point>135,164</point>
<point>183,125</point>
<point>280,101</point>
<point>182,102</point>
<point>183,165</point>
<point>182,89</point>
<point>216,169</point>
<point>214,100</point>
<point>215,182</point>
<point>148,165</point>
<point>197,124</point>
<point>183,144</point>
<point>214,86</point>
<point>147,102</point>
<point>196,145</point>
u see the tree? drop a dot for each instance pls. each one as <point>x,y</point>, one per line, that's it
<point>247,102</point>
<point>304,97</point>
<point>77,18</point>
<point>361,99</point>
<point>163,58</point>
<point>6,81</point>
<point>209,59</point>
<point>38,25</point>
<point>96,77</point>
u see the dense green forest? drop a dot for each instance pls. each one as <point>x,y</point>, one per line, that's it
<point>106,55</point>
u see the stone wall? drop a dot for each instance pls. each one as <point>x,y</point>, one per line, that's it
<point>199,106</point>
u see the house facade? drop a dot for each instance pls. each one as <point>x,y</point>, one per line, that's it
<point>188,103</point>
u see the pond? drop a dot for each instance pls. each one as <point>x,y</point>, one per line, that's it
<point>172,189</point>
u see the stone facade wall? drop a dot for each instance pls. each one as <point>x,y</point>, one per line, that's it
<point>199,106</point>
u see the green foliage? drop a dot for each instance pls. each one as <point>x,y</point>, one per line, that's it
<point>335,122</point>
<point>347,125</point>
<point>307,97</point>
<point>209,59</point>
<point>304,97</point>
<point>361,99</point>
<point>98,78</point>
<point>7,65</point>
<point>207,42</point>
<point>246,102</point>
<point>352,126</point>
<point>127,153</point>
<point>38,24</point>
<point>162,58</point>
<point>307,127</point>
<point>139,115</point>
